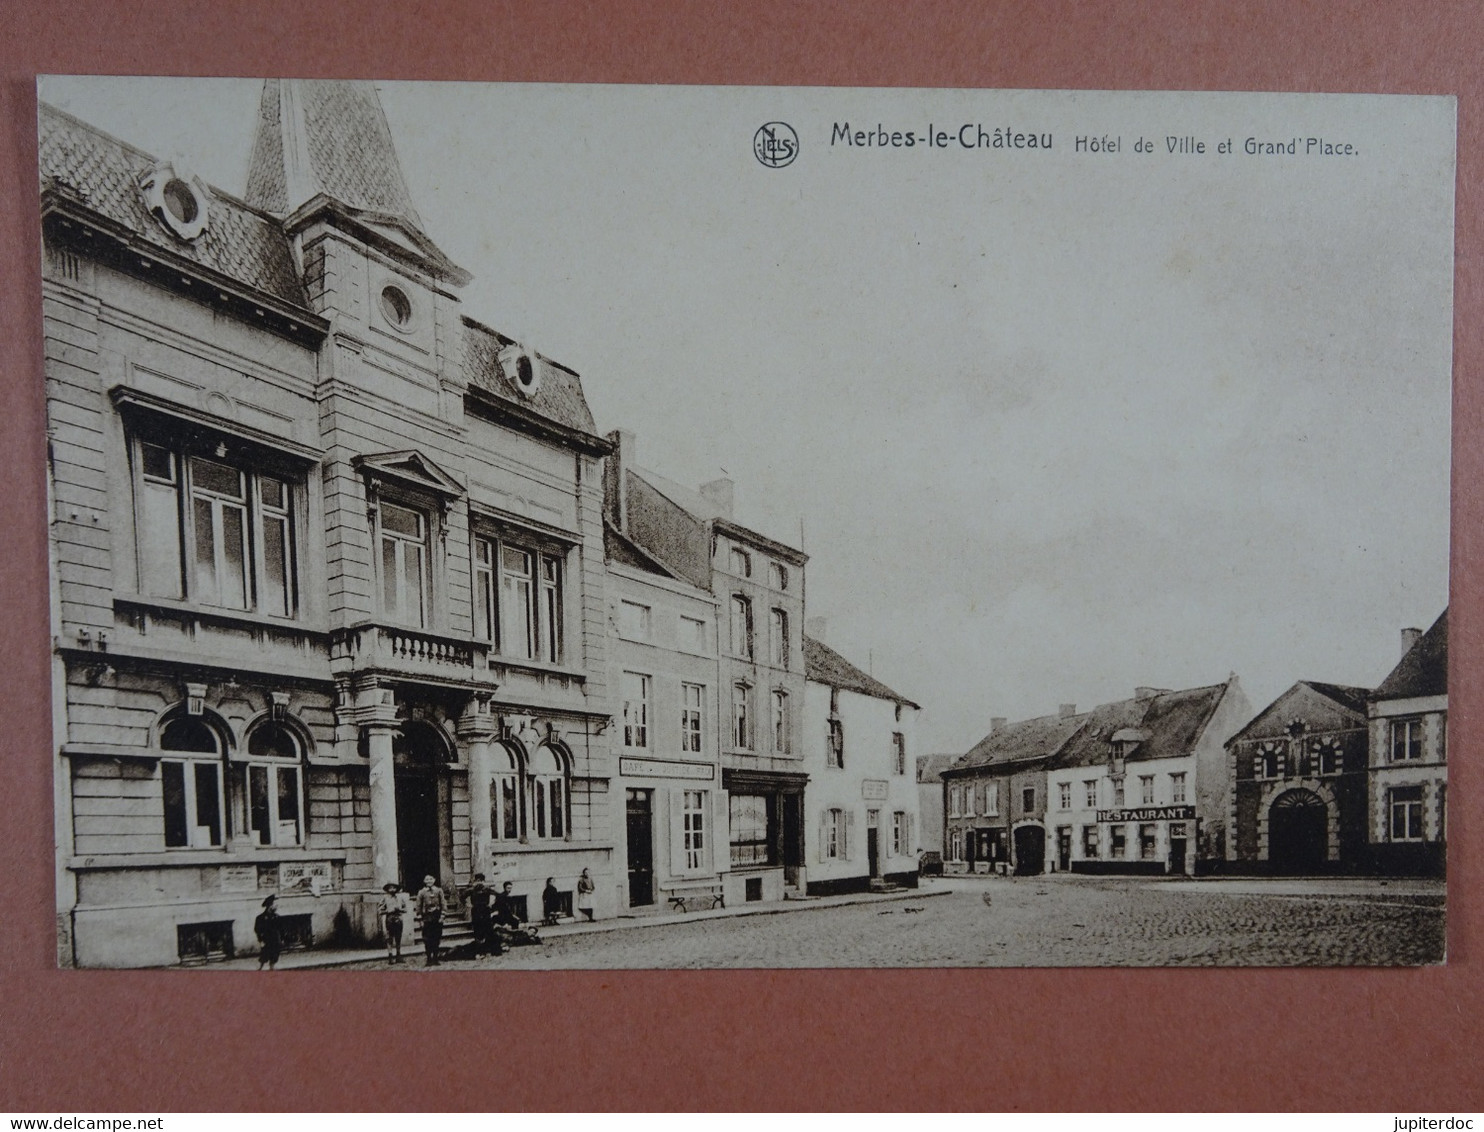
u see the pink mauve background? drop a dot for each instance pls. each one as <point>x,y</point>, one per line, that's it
<point>995,1039</point>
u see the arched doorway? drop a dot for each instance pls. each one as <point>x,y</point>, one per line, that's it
<point>1030,851</point>
<point>424,829</point>
<point>1298,833</point>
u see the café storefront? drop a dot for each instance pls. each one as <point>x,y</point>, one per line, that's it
<point>1145,840</point>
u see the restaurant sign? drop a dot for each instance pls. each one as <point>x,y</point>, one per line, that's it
<point>1149,813</point>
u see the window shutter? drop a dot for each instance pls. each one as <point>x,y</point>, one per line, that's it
<point>676,802</point>
<point>824,836</point>
<point>848,835</point>
<point>909,846</point>
<point>721,831</point>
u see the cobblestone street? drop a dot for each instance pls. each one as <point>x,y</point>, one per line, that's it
<point>1056,921</point>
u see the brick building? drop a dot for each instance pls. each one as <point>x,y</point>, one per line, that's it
<point>328,561</point>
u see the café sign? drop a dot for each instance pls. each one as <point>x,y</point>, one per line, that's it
<point>1149,813</point>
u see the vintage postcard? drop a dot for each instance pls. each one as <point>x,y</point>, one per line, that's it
<point>521,526</point>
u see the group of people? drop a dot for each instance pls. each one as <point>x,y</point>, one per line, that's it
<point>494,915</point>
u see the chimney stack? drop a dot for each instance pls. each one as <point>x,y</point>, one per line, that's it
<point>816,627</point>
<point>616,480</point>
<point>1066,711</point>
<point>720,494</point>
<point>997,724</point>
<point>1409,638</point>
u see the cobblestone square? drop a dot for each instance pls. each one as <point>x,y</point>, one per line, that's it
<point>1060,921</point>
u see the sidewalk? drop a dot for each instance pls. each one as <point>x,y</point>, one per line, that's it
<point>331,957</point>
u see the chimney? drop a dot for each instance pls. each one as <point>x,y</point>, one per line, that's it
<point>816,627</point>
<point>997,724</point>
<point>616,480</point>
<point>1066,711</point>
<point>1409,638</point>
<point>720,494</point>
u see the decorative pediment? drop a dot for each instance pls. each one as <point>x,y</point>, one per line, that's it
<point>409,469</point>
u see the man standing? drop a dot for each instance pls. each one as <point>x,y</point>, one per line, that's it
<point>479,895</point>
<point>430,911</point>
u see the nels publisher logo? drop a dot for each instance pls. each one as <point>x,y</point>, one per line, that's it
<point>775,144</point>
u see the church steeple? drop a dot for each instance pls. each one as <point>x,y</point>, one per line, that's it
<point>329,138</point>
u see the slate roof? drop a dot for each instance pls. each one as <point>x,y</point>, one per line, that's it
<point>82,163</point>
<point>1343,694</point>
<point>1171,722</point>
<point>348,143</point>
<point>691,501</point>
<point>1350,698</point>
<point>1424,670</point>
<point>1022,741</point>
<point>824,665</point>
<point>626,552</point>
<point>930,768</point>
<point>559,398</point>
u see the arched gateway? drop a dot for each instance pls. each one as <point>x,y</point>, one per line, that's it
<point>424,835</point>
<point>1030,850</point>
<point>1298,833</point>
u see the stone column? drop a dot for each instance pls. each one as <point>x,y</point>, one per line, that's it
<point>376,711</point>
<point>477,729</point>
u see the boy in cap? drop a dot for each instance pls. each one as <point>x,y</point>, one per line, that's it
<point>392,908</point>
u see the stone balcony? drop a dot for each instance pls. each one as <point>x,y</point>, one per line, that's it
<point>410,654</point>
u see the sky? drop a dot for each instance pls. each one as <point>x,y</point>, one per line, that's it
<point>1050,423</point>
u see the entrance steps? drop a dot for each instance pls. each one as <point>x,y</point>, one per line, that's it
<point>879,885</point>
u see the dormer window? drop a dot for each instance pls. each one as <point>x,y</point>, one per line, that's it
<point>177,199</point>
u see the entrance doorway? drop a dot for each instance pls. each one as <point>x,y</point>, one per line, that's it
<point>873,844</point>
<point>1064,848</point>
<point>1030,851</point>
<point>640,814</point>
<point>793,838</point>
<point>1177,847</point>
<point>424,837</point>
<point>1298,833</point>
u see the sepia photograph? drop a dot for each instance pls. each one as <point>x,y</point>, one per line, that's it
<point>535,526</point>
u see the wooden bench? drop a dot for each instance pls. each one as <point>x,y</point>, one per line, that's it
<point>682,895</point>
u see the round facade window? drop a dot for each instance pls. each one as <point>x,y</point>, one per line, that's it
<point>181,201</point>
<point>525,372</point>
<point>396,306</point>
<point>177,199</point>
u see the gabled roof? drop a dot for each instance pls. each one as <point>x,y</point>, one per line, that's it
<point>83,165</point>
<point>559,397</point>
<point>624,551</point>
<point>1350,701</point>
<point>824,665</point>
<point>1026,740</point>
<point>930,768</point>
<point>1424,670</point>
<point>704,510</point>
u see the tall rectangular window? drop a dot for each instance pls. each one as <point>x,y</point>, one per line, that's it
<point>741,724</point>
<point>192,804</point>
<point>694,812</point>
<point>992,799</point>
<point>485,623</point>
<point>751,829</point>
<point>1118,793</point>
<point>1090,793</point>
<point>834,834</point>
<point>635,710</point>
<point>899,833</point>
<point>690,718</point>
<point>1147,842</point>
<point>741,563</point>
<point>779,638</point>
<point>518,600</point>
<point>214,532</point>
<point>1406,813</point>
<point>550,633</point>
<point>1027,799</point>
<point>1064,795</point>
<point>1146,789</point>
<point>1177,788</point>
<point>265,802</point>
<point>741,627</point>
<point>404,564</point>
<point>1090,842</point>
<point>1117,842</point>
<point>899,751</point>
<point>517,603</point>
<point>1406,740</point>
<point>692,634</point>
<point>955,801</point>
<point>780,722</point>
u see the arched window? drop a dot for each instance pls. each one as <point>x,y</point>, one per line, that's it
<point>504,794</point>
<point>191,787</point>
<point>419,743</point>
<point>266,789</point>
<point>548,786</point>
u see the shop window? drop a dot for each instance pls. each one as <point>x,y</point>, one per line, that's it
<point>266,790</point>
<point>1147,841</point>
<point>1117,842</point>
<point>548,793</point>
<point>212,531</point>
<point>1406,740</point>
<point>751,823</point>
<point>691,725</point>
<point>635,710</point>
<point>191,788</point>
<point>741,627</point>
<point>1090,842</point>
<point>778,623</point>
<point>1405,803</point>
